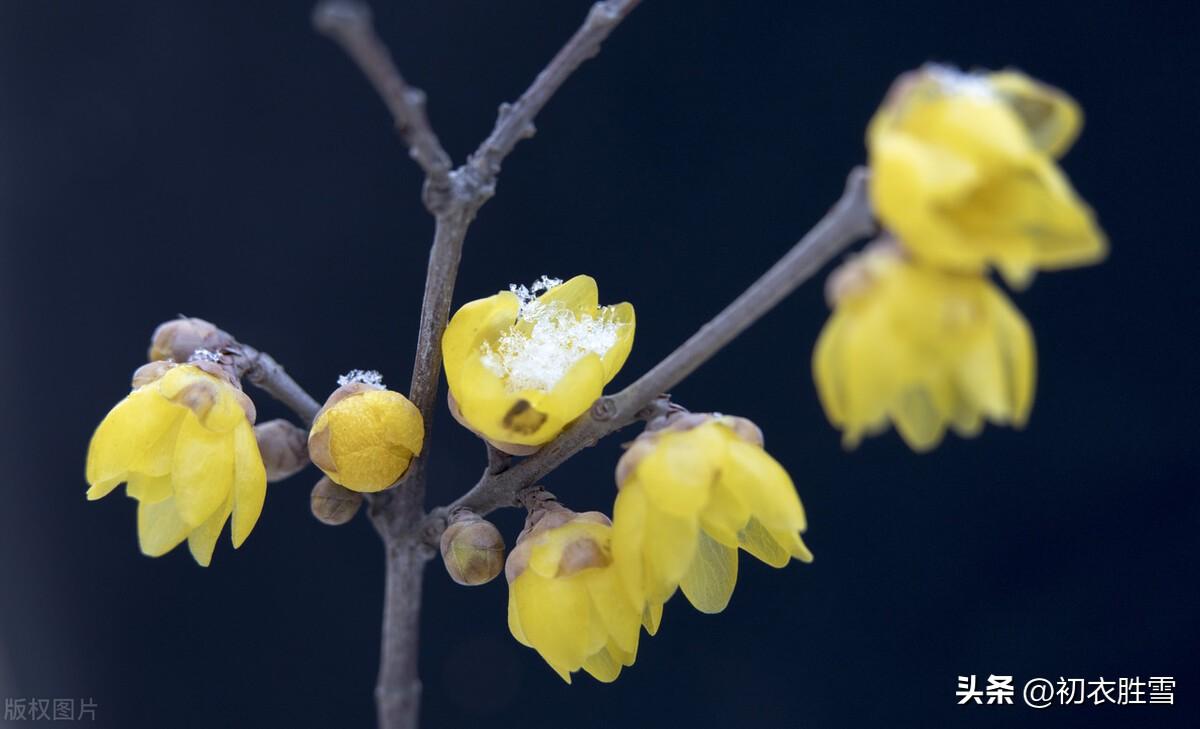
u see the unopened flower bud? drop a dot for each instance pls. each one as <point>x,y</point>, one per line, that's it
<point>365,435</point>
<point>179,338</point>
<point>333,504</point>
<point>472,550</point>
<point>284,448</point>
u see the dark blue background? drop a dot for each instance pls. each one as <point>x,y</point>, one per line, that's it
<point>222,160</point>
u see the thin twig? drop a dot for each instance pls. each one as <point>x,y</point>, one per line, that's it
<point>265,373</point>
<point>848,221</point>
<point>350,24</point>
<point>453,197</point>
<point>516,120</point>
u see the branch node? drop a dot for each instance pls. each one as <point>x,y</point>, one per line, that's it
<point>605,409</point>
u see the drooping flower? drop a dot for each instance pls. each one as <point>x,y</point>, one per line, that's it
<point>522,366</point>
<point>365,436</point>
<point>690,495</point>
<point>565,599</point>
<point>923,348</point>
<point>183,443</point>
<point>963,171</point>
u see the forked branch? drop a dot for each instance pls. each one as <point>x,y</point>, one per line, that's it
<point>848,221</point>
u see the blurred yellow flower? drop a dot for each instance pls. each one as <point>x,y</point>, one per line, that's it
<point>565,599</point>
<point>522,366</point>
<point>183,442</point>
<point>924,348</point>
<point>365,436</point>
<point>963,172</point>
<point>689,497</point>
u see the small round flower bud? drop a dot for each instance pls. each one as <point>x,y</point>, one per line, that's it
<point>284,448</point>
<point>365,436</point>
<point>179,338</point>
<point>472,550</point>
<point>333,504</point>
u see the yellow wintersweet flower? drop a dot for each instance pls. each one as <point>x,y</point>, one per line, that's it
<point>690,495</point>
<point>963,172</point>
<point>365,435</point>
<point>183,442</point>
<point>924,348</point>
<point>522,366</point>
<point>565,599</point>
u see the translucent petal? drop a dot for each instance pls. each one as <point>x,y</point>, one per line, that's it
<point>1051,117</point>
<point>202,472</point>
<point>602,666</point>
<point>160,528</point>
<point>135,424</point>
<point>203,539</point>
<point>652,617</point>
<point>757,540</point>
<point>249,483</point>
<point>709,581</point>
<point>917,419</point>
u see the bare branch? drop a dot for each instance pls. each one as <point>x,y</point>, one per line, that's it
<point>349,24</point>
<point>849,220</point>
<point>265,373</point>
<point>516,120</point>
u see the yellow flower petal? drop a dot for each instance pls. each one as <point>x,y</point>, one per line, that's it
<point>611,603</point>
<point>963,173</point>
<point>709,581</point>
<point>249,483</point>
<point>1051,117</point>
<point>725,513</point>
<point>578,294</point>
<point>149,489</point>
<point>131,427</point>
<point>765,487</point>
<point>203,539</point>
<point>514,622</point>
<point>554,615</point>
<point>668,551</point>
<point>602,666</point>
<point>614,358</point>
<point>160,527</point>
<point>202,472</point>
<point>678,474</point>
<point>474,323</point>
<point>652,617</point>
<point>757,540</point>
